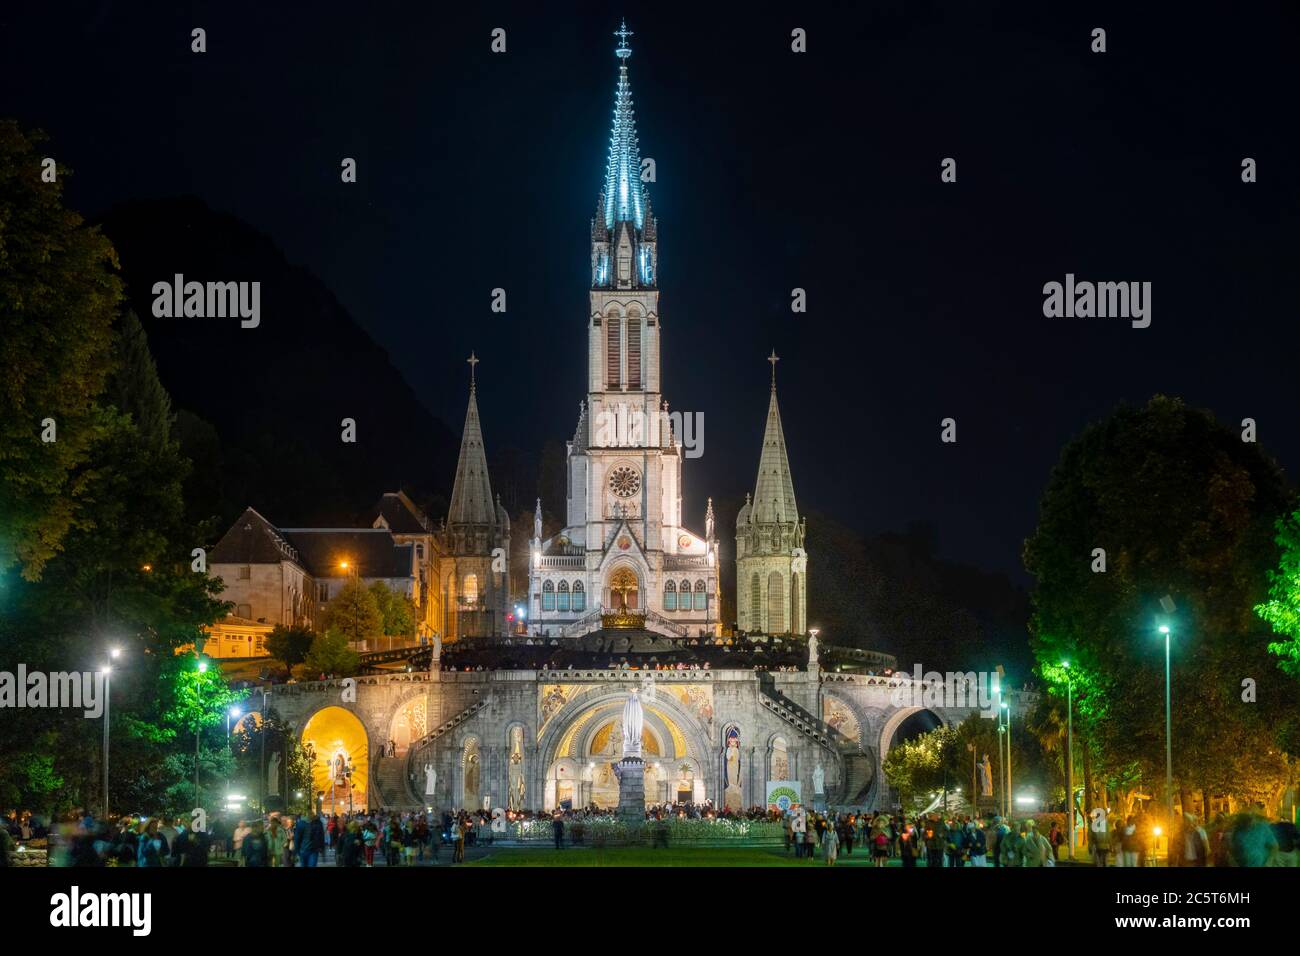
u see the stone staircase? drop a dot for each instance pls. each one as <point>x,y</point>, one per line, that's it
<point>858,784</point>
<point>391,785</point>
<point>392,775</point>
<point>446,726</point>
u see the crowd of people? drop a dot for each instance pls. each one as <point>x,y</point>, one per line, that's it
<point>415,837</point>
<point>276,840</point>
<point>935,840</point>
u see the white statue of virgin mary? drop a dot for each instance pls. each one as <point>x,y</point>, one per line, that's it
<point>632,722</point>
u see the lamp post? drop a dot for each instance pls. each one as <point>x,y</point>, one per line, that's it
<point>1007,707</point>
<point>202,669</point>
<point>231,712</point>
<point>1069,753</point>
<point>1169,746</point>
<point>261,760</point>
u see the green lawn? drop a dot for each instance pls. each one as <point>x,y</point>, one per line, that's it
<point>644,856</point>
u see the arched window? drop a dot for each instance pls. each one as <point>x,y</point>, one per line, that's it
<point>634,349</point>
<point>684,602</point>
<point>670,596</point>
<point>469,593</point>
<point>796,605</point>
<point>548,596</point>
<point>562,597</point>
<point>775,603</point>
<point>579,596</point>
<point>613,352</point>
<point>701,596</point>
<point>780,768</point>
<point>755,604</point>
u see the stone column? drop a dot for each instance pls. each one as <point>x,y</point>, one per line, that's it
<point>631,790</point>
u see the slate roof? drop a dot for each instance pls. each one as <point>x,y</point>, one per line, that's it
<point>401,515</point>
<point>371,552</point>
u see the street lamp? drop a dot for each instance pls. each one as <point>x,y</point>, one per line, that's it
<point>202,669</point>
<point>1069,753</point>
<point>1169,746</point>
<point>107,671</point>
<point>1007,707</point>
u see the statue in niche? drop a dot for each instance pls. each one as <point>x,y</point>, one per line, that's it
<point>430,779</point>
<point>733,793</point>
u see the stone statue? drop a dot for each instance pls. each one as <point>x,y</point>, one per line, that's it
<point>819,779</point>
<point>430,779</point>
<point>633,720</point>
<point>812,647</point>
<point>273,776</point>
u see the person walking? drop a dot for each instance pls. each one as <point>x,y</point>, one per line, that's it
<point>1034,849</point>
<point>976,845</point>
<point>1010,846</point>
<point>956,843</point>
<point>253,850</point>
<point>1130,843</point>
<point>830,844</point>
<point>909,847</point>
<point>276,839</point>
<point>152,846</point>
<point>935,839</point>
<point>458,838</point>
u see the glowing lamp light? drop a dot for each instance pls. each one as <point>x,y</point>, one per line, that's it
<point>203,667</point>
<point>1164,628</point>
<point>1157,830</point>
<point>115,652</point>
<point>1026,800</point>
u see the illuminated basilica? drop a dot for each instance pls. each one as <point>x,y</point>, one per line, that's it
<point>624,596</point>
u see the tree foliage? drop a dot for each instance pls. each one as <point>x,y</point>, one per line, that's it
<point>59,294</point>
<point>1182,507</point>
<point>397,612</point>
<point>289,644</point>
<point>354,612</point>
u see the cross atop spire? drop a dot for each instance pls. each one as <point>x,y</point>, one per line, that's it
<point>773,359</point>
<point>624,198</point>
<point>472,360</point>
<point>623,50</point>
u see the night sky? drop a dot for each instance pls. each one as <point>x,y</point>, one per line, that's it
<point>775,170</point>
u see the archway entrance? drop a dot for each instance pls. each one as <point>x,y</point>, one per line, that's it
<point>585,748</point>
<point>410,723</point>
<point>914,725</point>
<point>341,768</point>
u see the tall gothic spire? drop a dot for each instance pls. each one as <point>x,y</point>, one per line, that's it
<point>774,491</point>
<point>471,495</point>
<point>624,197</point>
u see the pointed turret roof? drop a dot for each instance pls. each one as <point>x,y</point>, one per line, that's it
<point>624,198</point>
<point>774,490</point>
<point>471,495</point>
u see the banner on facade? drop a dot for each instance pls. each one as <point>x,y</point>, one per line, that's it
<point>783,794</point>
